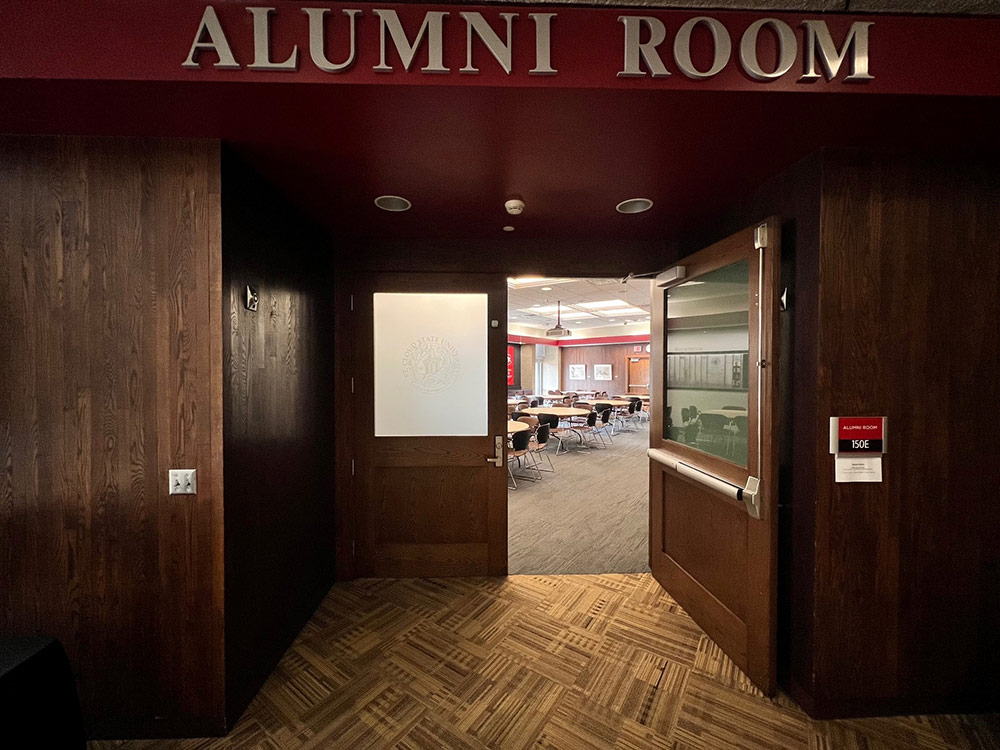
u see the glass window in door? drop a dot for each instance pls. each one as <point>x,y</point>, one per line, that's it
<point>707,369</point>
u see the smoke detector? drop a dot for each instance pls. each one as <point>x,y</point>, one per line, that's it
<point>514,206</point>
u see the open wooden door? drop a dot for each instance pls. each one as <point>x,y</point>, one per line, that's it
<point>714,443</point>
<point>430,429</point>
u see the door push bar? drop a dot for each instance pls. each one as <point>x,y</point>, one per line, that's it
<point>497,459</point>
<point>749,495</point>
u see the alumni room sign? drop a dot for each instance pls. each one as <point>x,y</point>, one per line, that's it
<point>475,45</point>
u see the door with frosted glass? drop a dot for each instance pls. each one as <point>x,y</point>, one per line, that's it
<point>714,444</point>
<point>430,472</point>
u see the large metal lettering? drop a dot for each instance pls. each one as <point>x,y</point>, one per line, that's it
<point>317,40</point>
<point>643,37</point>
<point>432,26</point>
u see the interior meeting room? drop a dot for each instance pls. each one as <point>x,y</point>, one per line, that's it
<point>542,375</point>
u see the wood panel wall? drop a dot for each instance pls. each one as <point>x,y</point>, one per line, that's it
<point>907,602</point>
<point>110,275</point>
<point>279,426</point>
<point>889,602</point>
<point>615,354</point>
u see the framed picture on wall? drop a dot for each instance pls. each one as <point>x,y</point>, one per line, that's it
<point>602,372</point>
<point>578,372</point>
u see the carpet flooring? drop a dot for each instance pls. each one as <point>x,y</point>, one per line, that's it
<point>545,662</point>
<point>590,516</point>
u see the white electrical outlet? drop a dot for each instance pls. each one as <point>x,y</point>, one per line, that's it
<point>183,482</point>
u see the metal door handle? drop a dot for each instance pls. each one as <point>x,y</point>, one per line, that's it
<point>750,495</point>
<point>497,459</point>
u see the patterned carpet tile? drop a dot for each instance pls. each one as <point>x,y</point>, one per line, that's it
<point>546,662</point>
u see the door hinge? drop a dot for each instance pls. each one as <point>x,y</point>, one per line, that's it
<point>760,237</point>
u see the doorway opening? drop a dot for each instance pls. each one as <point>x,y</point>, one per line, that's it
<point>578,405</point>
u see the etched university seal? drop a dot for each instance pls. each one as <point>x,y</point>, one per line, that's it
<point>431,364</point>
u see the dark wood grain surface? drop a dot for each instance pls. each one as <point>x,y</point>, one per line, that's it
<point>906,598</point>
<point>109,287</point>
<point>279,422</point>
<point>889,601</point>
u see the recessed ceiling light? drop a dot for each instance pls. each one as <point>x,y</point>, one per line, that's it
<point>392,203</point>
<point>603,304</point>
<point>634,206</point>
<point>546,289</point>
<point>508,228</point>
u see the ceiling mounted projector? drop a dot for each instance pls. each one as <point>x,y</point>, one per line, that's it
<point>558,330</point>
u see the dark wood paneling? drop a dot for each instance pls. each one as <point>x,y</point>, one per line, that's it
<point>617,355</point>
<point>906,595</point>
<point>696,525</point>
<point>279,427</point>
<point>887,601</point>
<point>109,292</point>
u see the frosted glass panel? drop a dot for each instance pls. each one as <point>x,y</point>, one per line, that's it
<point>430,364</point>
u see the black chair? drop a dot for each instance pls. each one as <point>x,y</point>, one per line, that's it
<point>534,403</point>
<point>520,441</point>
<point>605,428</point>
<point>555,431</point>
<point>626,414</point>
<point>590,428</point>
<point>517,415</point>
<point>640,411</point>
<point>540,445</point>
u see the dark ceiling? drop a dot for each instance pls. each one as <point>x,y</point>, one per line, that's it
<point>458,152</point>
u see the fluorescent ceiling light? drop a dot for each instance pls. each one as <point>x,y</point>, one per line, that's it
<point>576,315</point>
<point>602,304</point>
<point>540,309</point>
<point>529,281</point>
<point>623,311</point>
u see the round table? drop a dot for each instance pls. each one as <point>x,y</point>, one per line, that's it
<point>513,426</point>
<point>611,401</point>
<point>558,411</point>
<point>640,396</point>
